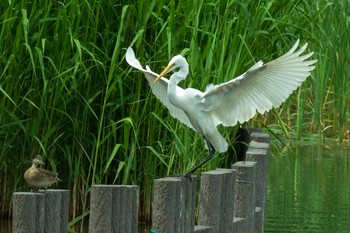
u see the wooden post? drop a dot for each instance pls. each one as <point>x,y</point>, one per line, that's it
<point>259,152</point>
<point>244,196</point>
<point>100,219</point>
<point>260,137</point>
<point>42,211</point>
<point>203,229</point>
<point>260,157</point>
<point>114,208</point>
<point>174,205</point>
<point>125,204</point>
<point>28,213</point>
<point>217,200</point>
<point>56,211</point>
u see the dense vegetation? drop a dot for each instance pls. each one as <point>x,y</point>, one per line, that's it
<point>68,94</point>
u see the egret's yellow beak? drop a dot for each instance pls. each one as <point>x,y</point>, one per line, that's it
<point>166,70</point>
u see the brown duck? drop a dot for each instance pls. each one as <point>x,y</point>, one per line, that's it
<point>39,177</point>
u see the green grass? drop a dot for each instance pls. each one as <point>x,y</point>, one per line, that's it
<point>68,94</point>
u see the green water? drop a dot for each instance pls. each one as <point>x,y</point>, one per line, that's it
<point>309,188</point>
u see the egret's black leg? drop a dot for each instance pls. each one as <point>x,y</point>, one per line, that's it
<point>209,157</point>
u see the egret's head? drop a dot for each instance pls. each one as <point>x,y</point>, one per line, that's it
<point>176,62</point>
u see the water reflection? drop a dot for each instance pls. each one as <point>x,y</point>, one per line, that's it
<point>309,188</point>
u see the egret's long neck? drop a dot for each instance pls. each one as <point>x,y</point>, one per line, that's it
<point>176,78</point>
<point>175,94</point>
<point>179,75</point>
<point>173,82</point>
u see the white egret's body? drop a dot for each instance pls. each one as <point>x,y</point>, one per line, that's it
<point>259,89</point>
<point>196,106</point>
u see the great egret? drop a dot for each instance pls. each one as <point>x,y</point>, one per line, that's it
<point>259,89</point>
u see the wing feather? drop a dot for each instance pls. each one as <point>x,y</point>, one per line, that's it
<point>159,89</point>
<point>261,88</point>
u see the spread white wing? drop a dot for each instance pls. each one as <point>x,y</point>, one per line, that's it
<point>259,89</point>
<point>159,89</point>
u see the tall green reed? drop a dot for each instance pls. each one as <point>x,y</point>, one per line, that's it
<point>68,93</point>
<point>331,78</point>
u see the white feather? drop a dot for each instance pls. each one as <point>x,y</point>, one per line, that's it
<point>261,88</point>
<point>159,89</point>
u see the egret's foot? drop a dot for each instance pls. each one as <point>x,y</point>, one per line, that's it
<point>188,174</point>
<point>176,175</point>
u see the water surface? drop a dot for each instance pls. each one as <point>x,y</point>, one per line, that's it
<point>309,188</point>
